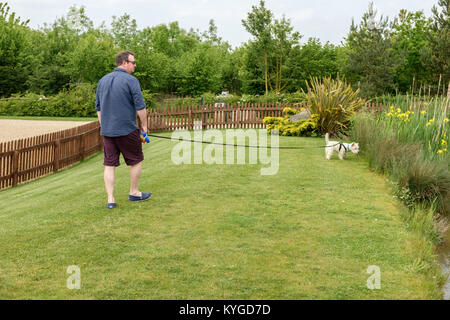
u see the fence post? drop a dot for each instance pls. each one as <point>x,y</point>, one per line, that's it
<point>204,124</point>
<point>238,118</point>
<point>56,155</point>
<point>15,171</point>
<point>81,148</point>
<point>190,126</point>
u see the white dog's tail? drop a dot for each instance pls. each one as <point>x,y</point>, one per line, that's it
<point>326,138</point>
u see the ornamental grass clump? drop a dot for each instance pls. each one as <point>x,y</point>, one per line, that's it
<point>334,101</point>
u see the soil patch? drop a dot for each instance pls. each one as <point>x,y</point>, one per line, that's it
<point>18,129</point>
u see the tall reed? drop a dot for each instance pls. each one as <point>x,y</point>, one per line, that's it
<point>409,141</point>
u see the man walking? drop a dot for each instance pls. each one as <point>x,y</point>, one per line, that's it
<point>119,99</point>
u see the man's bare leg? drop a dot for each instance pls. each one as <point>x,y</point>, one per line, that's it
<point>135,174</point>
<point>109,183</point>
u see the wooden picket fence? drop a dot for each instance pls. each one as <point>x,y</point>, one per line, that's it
<point>220,116</point>
<point>376,107</point>
<point>27,159</point>
<point>217,116</point>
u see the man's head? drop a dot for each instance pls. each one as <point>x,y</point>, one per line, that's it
<point>125,60</point>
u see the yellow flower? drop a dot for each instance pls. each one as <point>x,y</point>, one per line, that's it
<point>440,152</point>
<point>445,150</point>
<point>446,120</point>
<point>423,112</point>
<point>444,142</point>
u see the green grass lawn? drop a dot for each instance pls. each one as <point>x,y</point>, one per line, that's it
<point>212,232</point>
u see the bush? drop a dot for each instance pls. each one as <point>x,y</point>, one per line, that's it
<point>79,101</point>
<point>426,182</point>
<point>150,99</point>
<point>22,105</point>
<point>286,127</point>
<point>335,102</point>
<point>296,98</point>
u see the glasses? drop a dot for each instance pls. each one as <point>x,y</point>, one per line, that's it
<point>133,62</point>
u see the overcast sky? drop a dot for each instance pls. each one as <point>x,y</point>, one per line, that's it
<point>324,19</point>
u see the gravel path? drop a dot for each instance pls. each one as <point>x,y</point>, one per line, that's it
<point>19,129</point>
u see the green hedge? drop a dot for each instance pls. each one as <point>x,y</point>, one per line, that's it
<point>79,101</point>
<point>211,98</point>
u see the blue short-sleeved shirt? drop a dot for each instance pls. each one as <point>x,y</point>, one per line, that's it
<point>118,97</point>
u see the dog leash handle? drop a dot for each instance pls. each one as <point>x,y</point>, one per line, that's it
<point>145,138</point>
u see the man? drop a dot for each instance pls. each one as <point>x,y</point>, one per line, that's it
<point>119,99</point>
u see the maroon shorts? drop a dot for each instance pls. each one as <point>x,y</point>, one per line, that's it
<point>130,146</point>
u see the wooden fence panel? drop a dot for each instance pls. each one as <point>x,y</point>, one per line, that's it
<point>217,116</point>
<point>23,160</point>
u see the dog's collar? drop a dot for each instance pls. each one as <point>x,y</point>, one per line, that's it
<point>346,148</point>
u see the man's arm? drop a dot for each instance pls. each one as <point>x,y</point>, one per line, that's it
<point>99,117</point>
<point>143,117</point>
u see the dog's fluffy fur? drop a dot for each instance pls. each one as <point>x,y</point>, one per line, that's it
<point>340,148</point>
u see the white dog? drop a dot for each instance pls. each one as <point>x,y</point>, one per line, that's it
<point>339,147</point>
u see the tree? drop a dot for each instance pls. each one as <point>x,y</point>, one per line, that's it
<point>251,72</point>
<point>124,30</point>
<point>92,58</point>
<point>372,61</point>
<point>231,64</point>
<point>411,41</point>
<point>14,52</point>
<point>440,41</point>
<point>54,43</point>
<point>154,70</point>
<point>78,21</point>
<point>312,60</point>
<point>258,24</point>
<point>199,71</point>
<point>211,34</point>
<point>283,42</point>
